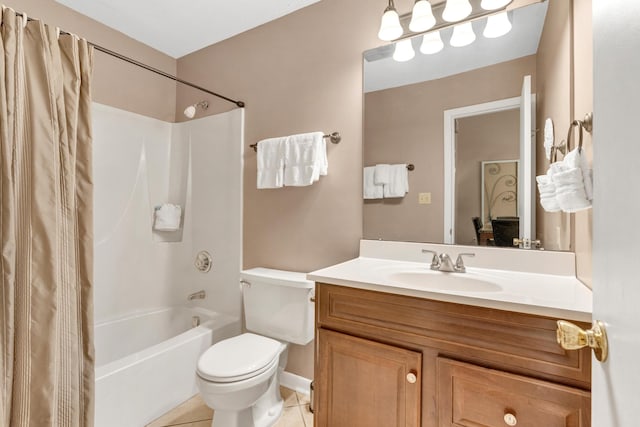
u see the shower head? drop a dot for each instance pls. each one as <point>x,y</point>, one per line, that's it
<point>190,111</point>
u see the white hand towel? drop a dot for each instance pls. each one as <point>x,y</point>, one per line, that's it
<point>369,188</point>
<point>573,201</point>
<point>305,159</point>
<point>576,159</point>
<point>398,184</point>
<point>167,217</point>
<point>382,174</point>
<point>271,163</point>
<point>547,190</point>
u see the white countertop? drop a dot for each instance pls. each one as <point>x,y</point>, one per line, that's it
<point>559,296</point>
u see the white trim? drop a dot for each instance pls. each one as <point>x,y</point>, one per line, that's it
<point>450,117</point>
<point>295,382</point>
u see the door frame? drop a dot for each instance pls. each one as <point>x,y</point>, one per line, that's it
<point>450,117</point>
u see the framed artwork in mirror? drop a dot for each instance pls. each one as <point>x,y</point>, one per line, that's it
<point>499,189</point>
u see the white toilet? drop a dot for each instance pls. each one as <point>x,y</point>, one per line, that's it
<point>239,377</point>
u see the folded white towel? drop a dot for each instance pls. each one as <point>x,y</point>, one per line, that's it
<point>167,217</point>
<point>568,177</point>
<point>382,174</point>
<point>271,163</point>
<point>573,201</point>
<point>305,159</point>
<point>547,190</point>
<point>398,184</point>
<point>369,188</point>
<point>576,159</point>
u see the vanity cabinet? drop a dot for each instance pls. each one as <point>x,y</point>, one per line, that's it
<point>385,360</point>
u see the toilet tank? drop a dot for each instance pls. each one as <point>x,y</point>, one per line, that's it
<point>277,304</point>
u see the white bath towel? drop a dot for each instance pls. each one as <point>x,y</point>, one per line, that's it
<point>271,163</point>
<point>167,217</point>
<point>305,159</point>
<point>369,188</point>
<point>382,174</point>
<point>398,184</point>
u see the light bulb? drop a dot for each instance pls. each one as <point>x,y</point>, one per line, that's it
<point>190,111</point>
<point>463,35</point>
<point>497,25</point>
<point>390,28</point>
<point>456,10</point>
<point>404,51</point>
<point>422,17</point>
<point>494,4</point>
<point>431,43</point>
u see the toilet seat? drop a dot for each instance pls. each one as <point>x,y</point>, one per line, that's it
<point>239,358</point>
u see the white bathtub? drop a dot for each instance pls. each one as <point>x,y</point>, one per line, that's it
<point>145,363</point>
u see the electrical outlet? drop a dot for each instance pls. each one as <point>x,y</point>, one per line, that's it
<point>424,198</point>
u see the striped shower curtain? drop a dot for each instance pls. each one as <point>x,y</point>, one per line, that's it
<point>46,303</point>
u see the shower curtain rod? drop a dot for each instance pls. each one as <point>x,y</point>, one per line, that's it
<point>149,67</point>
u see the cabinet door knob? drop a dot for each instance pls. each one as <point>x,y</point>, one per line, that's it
<point>412,377</point>
<point>510,419</point>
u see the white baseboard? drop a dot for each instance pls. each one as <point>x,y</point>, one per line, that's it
<point>295,382</point>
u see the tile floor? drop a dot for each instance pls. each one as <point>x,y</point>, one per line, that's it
<point>194,413</point>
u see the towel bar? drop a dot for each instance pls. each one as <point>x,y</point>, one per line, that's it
<point>334,137</point>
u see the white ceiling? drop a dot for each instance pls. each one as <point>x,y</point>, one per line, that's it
<point>179,27</point>
<point>521,41</point>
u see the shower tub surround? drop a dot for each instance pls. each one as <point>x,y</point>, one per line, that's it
<point>146,353</point>
<point>146,363</point>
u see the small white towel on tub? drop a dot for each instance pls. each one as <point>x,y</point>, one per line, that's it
<point>271,163</point>
<point>398,184</point>
<point>305,159</point>
<point>370,190</point>
<point>167,217</point>
<point>382,174</point>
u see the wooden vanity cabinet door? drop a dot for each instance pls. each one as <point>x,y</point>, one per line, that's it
<point>364,383</point>
<point>472,396</point>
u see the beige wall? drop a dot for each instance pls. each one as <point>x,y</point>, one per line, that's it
<point>494,136</point>
<point>583,103</point>
<point>554,101</point>
<point>565,72</point>
<point>300,73</point>
<point>115,82</point>
<point>405,125</point>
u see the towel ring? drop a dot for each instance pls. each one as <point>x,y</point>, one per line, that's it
<point>573,124</point>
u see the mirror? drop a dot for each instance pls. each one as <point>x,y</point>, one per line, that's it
<point>456,115</point>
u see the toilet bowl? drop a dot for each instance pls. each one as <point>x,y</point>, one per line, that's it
<point>239,377</point>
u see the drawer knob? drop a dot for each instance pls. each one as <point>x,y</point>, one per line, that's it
<point>412,377</point>
<point>510,419</point>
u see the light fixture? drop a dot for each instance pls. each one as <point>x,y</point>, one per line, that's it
<point>431,43</point>
<point>190,111</point>
<point>421,17</point>
<point>463,35</point>
<point>494,4</point>
<point>404,51</point>
<point>390,28</point>
<point>456,10</point>
<point>497,25</point>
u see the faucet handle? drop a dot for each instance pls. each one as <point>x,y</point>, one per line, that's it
<point>435,261</point>
<point>460,264</point>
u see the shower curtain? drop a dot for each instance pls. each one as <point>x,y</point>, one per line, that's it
<point>46,336</point>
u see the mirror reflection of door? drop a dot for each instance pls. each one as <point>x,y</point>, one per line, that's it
<point>486,173</point>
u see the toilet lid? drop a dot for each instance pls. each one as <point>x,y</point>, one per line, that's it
<point>237,358</point>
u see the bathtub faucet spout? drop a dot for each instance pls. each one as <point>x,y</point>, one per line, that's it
<point>197,295</point>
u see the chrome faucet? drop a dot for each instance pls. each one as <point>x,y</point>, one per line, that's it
<point>197,295</point>
<point>444,263</point>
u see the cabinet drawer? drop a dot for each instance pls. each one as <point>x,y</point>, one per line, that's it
<point>522,343</point>
<point>471,396</point>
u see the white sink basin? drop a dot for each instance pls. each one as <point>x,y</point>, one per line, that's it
<point>436,280</point>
